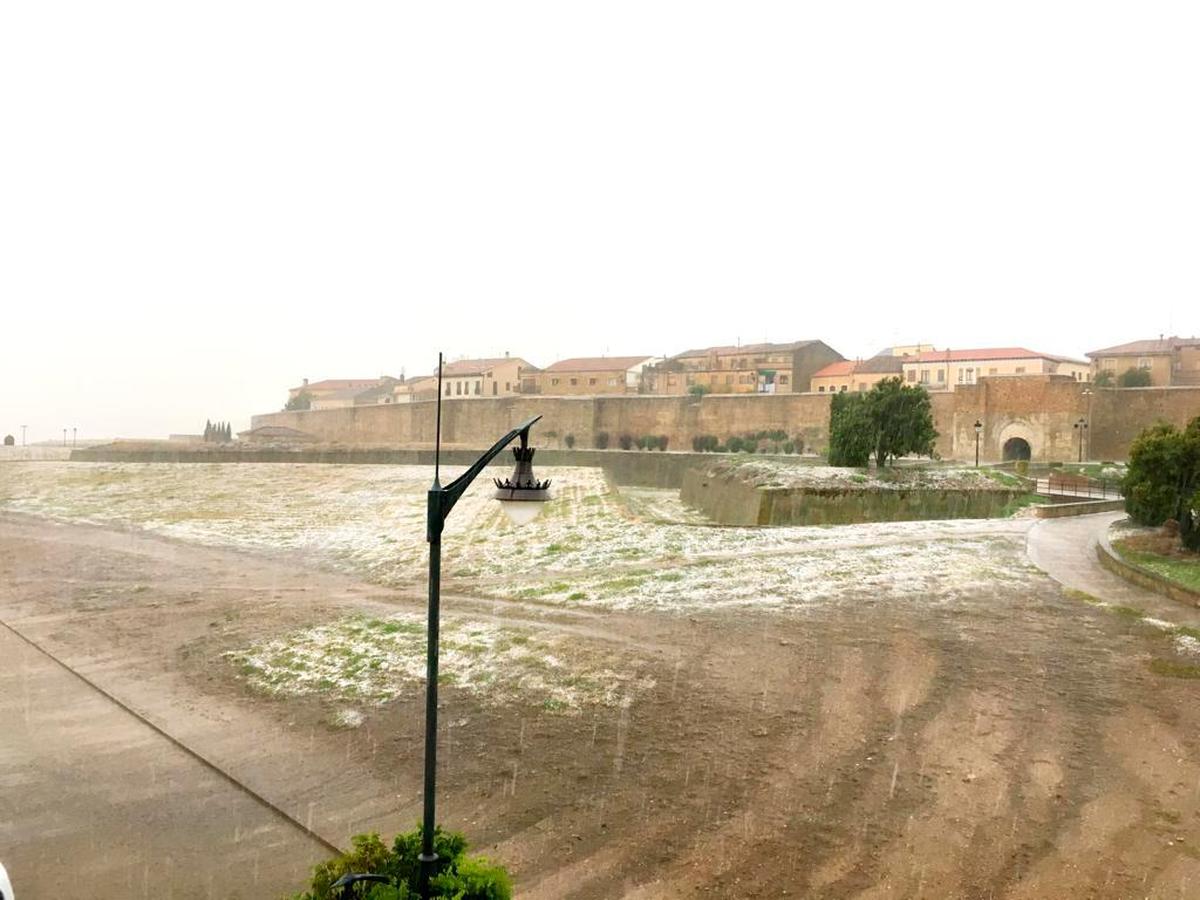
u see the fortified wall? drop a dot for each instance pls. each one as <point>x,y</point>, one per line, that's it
<point>1038,411</point>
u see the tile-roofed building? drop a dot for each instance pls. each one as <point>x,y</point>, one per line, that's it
<point>856,374</point>
<point>588,375</point>
<point>943,370</point>
<point>740,369</point>
<point>329,386</point>
<point>1170,361</point>
<point>490,377</point>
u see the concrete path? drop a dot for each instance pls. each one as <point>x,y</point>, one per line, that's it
<point>1065,549</point>
<point>96,804</point>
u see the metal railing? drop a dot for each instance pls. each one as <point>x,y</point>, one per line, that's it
<point>1081,486</point>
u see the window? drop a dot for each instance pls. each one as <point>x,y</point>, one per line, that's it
<point>458,388</point>
<point>574,381</point>
<point>612,382</point>
<point>960,376</point>
<point>554,381</point>
<point>924,376</point>
<point>1020,370</point>
<point>1143,362</point>
<point>782,379</point>
<point>862,385</point>
<point>843,389</point>
<point>729,379</point>
<point>994,370</point>
<point>591,381</point>
<point>821,389</point>
<point>911,375</point>
<point>507,386</point>
<point>495,388</point>
<point>447,389</point>
<point>941,376</point>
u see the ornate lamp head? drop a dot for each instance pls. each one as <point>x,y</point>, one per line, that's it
<point>521,495</point>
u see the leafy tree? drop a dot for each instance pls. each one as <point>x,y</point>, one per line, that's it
<point>208,430</point>
<point>302,401</point>
<point>569,440</point>
<point>625,441</point>
<point>699,390</point>
<point>1104,378</point>
<point>893,419</point>
<point>1163,479</point>
<point>903,419</point>
<point>1133,377</point>
<point>851,430</point>
<point>601,440</point>
<point>458,876</point>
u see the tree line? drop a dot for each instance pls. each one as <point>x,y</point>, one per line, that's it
<point>217,432</point>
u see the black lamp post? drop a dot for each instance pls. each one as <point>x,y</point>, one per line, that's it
<point>521,496</point>
<point>978,429</point>
<point>1081,426</point>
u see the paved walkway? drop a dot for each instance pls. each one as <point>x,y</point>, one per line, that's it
<point>96,804</point>
<point>1065,549</point>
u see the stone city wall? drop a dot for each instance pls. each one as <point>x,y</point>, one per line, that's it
<point>1040,410</point>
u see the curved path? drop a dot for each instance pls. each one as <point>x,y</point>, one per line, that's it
<point>1065,549</point>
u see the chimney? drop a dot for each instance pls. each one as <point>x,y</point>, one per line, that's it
<point>305,382</point>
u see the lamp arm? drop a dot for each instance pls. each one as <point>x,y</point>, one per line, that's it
<point>449,495</point>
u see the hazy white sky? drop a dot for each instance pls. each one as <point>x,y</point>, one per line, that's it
<point>200,204</point>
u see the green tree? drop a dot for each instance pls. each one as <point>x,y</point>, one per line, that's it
<point>851,430</point>
<point>1163,479</point>
<point>1104,378</point>
<point>903,419</point>
<point>699,390</point>
<point>1133,377</point>
<point>208,430</point>
<point>893,419</point>
<point>302,401</point>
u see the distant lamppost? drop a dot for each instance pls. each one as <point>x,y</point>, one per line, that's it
<point>1081,426</point>
<point>73,431</point>
<point>978,429</point>
<point>1087,394</point>
<point>64,437</point>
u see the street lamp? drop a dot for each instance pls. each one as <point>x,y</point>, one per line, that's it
<point>1081,426</point>
<point>521,496</point>
<point>978,429</point>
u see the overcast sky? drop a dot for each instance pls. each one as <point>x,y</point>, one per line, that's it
<point>201,204</point>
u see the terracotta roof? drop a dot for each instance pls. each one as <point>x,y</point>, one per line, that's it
<point>875,365</point>
<point>1147,348</point>
<point>596,363</point>
<point>836,369</point>
<point>339,384</point>
<point>746,348</point>
<point>935,356</point>
<point>476,366</point>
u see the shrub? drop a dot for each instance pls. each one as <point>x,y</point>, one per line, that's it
<point>706,443</point>
<point>601,440</point>
<point>1022,467</point>
<point>1104,378</point>
<point>1163,479</point>
<point>569,440</point>
<point>663,440</point>
<point>625,442</point>
<point>458,876</point>
<point>789,447</point>
<point>735,444</point>
<point>1133,377</point>
<point>699,390</point>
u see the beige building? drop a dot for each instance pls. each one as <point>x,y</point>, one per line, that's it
<point>748,369</point>
<point>345,390</point>
<point>944,370</point>
<point>856,374</point>
<point>1171,361</point>
<point>589,375</point>
<point>469,378</point>
<point>413,390</point>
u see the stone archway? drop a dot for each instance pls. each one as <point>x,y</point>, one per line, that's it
<point>1016,448</point>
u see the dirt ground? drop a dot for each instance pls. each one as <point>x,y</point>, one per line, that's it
<point>1012,743</point>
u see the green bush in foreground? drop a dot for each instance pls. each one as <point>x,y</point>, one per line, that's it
<point>1163,479</point>
<point>458,877</point>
